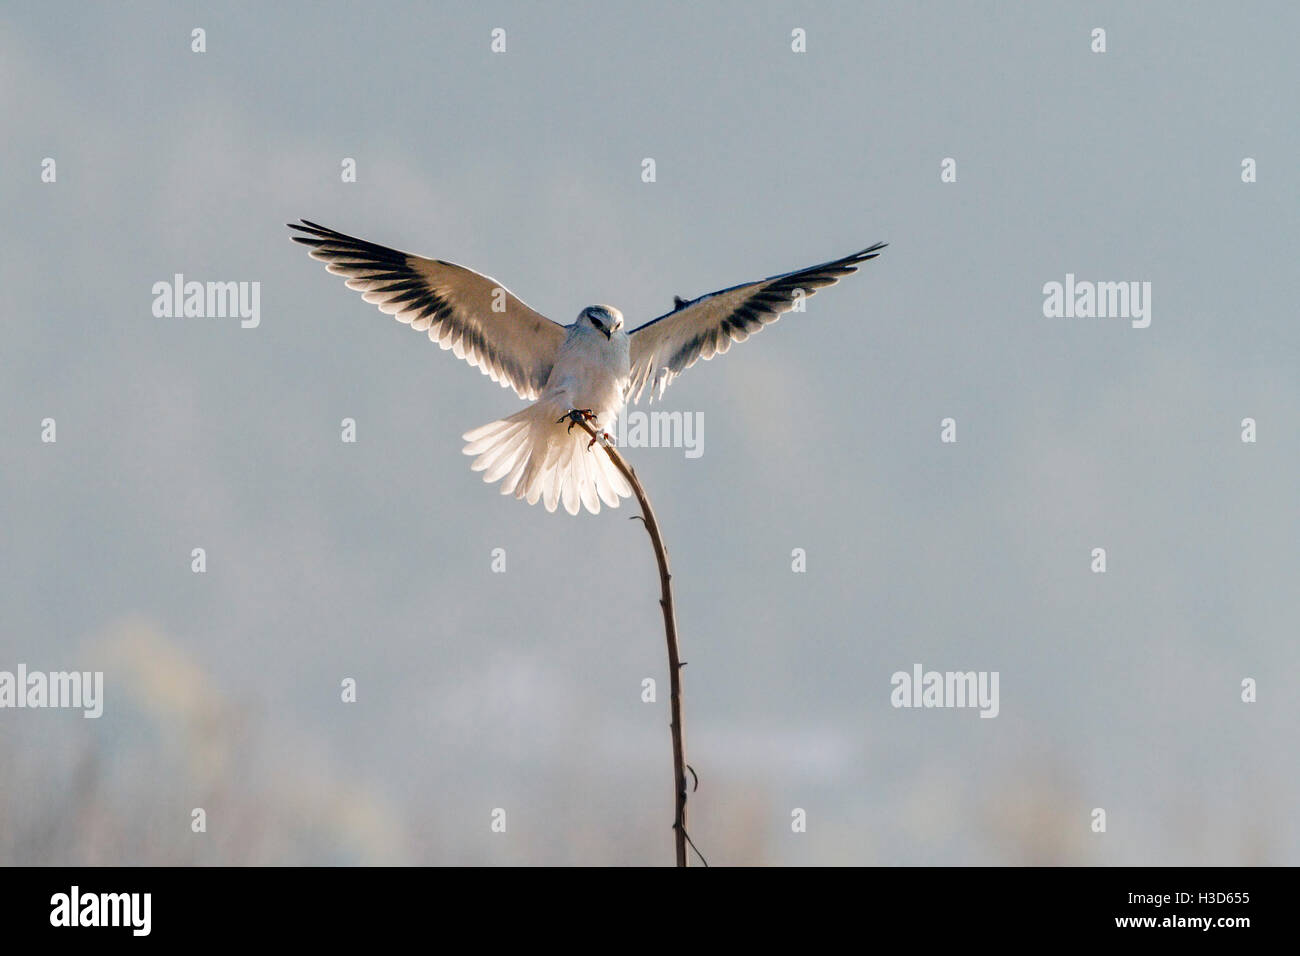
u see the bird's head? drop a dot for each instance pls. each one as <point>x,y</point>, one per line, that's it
<point>605,319</point>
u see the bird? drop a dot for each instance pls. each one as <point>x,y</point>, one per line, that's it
<point>589,369</point>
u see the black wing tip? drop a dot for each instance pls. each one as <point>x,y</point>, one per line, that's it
<point>314,235</point>
<point>312,228</point>
<point>850,263</point>
<point>869,253</point>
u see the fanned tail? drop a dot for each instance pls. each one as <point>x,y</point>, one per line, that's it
<point>541,460</point>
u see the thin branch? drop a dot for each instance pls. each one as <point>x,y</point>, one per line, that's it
<point>680,837</point>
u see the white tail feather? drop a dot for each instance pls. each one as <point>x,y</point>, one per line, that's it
<point>540,459</point>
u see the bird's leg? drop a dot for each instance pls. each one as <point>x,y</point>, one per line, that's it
<point>575,415</point>
<point>605,438</point>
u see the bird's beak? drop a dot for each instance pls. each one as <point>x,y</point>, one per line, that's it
<point>608,331</point>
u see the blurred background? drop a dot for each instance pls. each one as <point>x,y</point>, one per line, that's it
<point>522,690</point>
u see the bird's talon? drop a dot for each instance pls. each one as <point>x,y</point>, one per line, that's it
<point>577,416</point>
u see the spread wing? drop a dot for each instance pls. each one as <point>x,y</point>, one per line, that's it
<point>455,305</point>
<point>701,328</point>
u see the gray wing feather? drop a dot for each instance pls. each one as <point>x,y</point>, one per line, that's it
<point>455,305</point>
<point>701,328</point>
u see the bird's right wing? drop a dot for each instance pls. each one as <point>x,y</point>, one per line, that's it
<point>471,314</point>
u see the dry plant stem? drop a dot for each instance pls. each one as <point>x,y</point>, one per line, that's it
<point>670,631</point>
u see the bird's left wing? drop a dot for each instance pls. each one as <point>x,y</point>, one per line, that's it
<point>471,314</point>
<point>701,328</point>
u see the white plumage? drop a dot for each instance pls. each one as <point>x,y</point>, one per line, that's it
<point>593,364</point>
<point>534,452</point>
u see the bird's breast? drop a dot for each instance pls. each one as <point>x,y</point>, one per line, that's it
<point>593,370</point>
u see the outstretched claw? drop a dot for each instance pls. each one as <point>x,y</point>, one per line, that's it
<point>605,437</point>
<point>576,415</point>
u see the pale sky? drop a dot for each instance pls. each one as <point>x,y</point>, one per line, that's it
<point>522,690</point>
